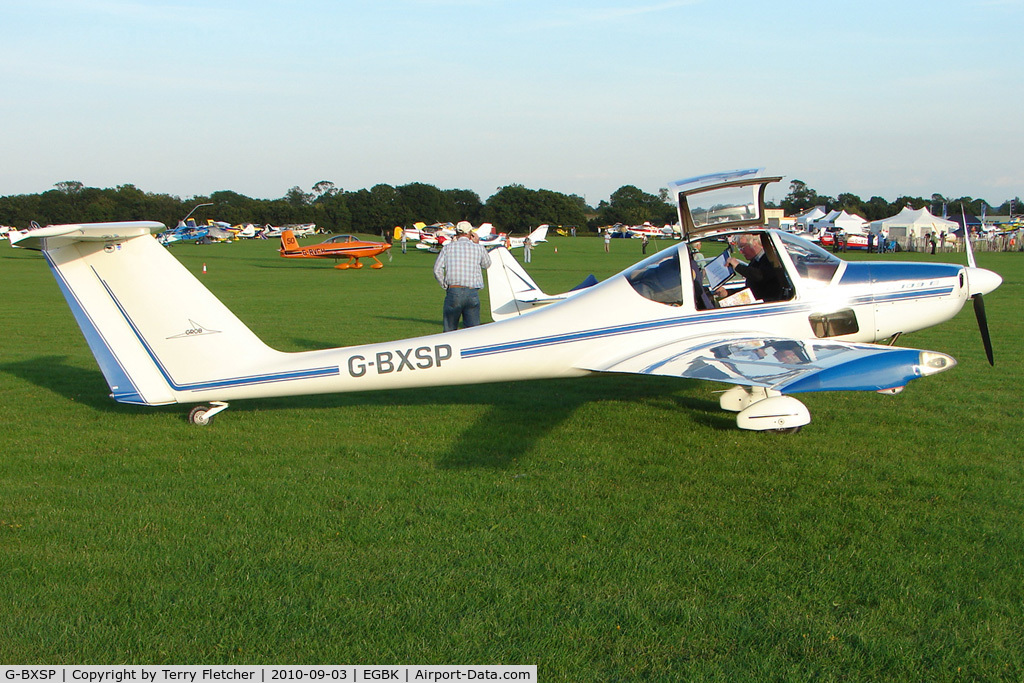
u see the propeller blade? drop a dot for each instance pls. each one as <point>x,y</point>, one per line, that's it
<point>979,313</point>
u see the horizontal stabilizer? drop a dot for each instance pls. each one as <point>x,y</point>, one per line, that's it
<point>34,238</point>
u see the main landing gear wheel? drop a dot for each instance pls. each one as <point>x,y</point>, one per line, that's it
<point>779,414</point>
<point>788,430</point>
<point>203,415</point>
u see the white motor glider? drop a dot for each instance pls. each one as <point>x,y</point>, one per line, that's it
<point>814,333</point>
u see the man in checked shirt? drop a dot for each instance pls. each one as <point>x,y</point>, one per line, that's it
<point>458,269</point>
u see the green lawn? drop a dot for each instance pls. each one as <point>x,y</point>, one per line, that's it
<point>606,528</point>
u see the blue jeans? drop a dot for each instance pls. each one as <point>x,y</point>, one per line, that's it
<point>461,302</point>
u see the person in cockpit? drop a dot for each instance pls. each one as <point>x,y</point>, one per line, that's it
<point>762,276</point>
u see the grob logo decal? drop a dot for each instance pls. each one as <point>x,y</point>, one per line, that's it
<point>194,330</point>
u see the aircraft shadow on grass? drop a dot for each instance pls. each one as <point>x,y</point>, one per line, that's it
<point>511,418</point>
<point>73,383</point>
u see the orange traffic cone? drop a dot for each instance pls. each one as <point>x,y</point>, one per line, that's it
<point>204,269</point>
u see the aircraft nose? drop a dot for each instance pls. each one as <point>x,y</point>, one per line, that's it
<point>982,281</point>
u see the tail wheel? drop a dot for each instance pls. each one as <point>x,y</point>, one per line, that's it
<point>203,415</point>
<point>198,416</point>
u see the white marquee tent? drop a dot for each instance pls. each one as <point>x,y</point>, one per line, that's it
<point>913,223</point>
<point>849,223</point>
<point>806,220</point>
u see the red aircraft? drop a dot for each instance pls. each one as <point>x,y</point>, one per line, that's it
<point>337,247</point>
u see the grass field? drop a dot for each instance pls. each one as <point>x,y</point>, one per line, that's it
<point>610,528</point>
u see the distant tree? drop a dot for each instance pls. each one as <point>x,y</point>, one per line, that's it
<point>877,208</point>
<point>511,208</point>
<point>359,203</point>
<point>69,186</point>
<point>557,209</point>
<point>324,188</point>
<point>1011,207</point>
<point>374,210</point>
<point>801,198</point>
<point>937,203</point>
<point>423,202</point>
<point>630,205</point>
<point>131,202</point>
<point>58,207</point>
<point>280,212</point>
<point>850,203</point>
<point>232,207</point>
<point>970,205</point>
<point>297,198</point>
<point>101,209</point>
<point>515,208</point>
<point>387,208</point>
<point>332,212</point>
<point>912,202</point>
<point>468,206</point>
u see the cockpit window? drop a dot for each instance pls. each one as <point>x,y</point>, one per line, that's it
<point>658,278</point>
<point>812,262</point>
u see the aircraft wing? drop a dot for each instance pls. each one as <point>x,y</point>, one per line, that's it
<point>784,364</point>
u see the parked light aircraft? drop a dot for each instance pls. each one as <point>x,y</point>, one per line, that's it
<point>244,231</point>
<point>666,231</point>
<point>433,242</point>
<point>184,232</point>
<point>337,247</point>
<point>649,320</point>
<point>536,237</point>
<point>854,240</point>
<point>432,237</point>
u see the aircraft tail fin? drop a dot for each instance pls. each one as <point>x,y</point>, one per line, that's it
<point>288,241</point>
<point>539,235</point>
<point>158,334</point>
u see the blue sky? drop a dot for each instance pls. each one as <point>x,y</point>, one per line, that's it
<point>187,97</point>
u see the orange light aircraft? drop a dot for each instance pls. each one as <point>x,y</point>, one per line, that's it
<point>337,247</point>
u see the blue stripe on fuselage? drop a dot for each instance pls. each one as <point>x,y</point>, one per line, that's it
<point>647,326</point>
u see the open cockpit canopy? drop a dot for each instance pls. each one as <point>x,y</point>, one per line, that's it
<point>721,201</point>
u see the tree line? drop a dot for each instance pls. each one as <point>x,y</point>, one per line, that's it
<point>512,209</point>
